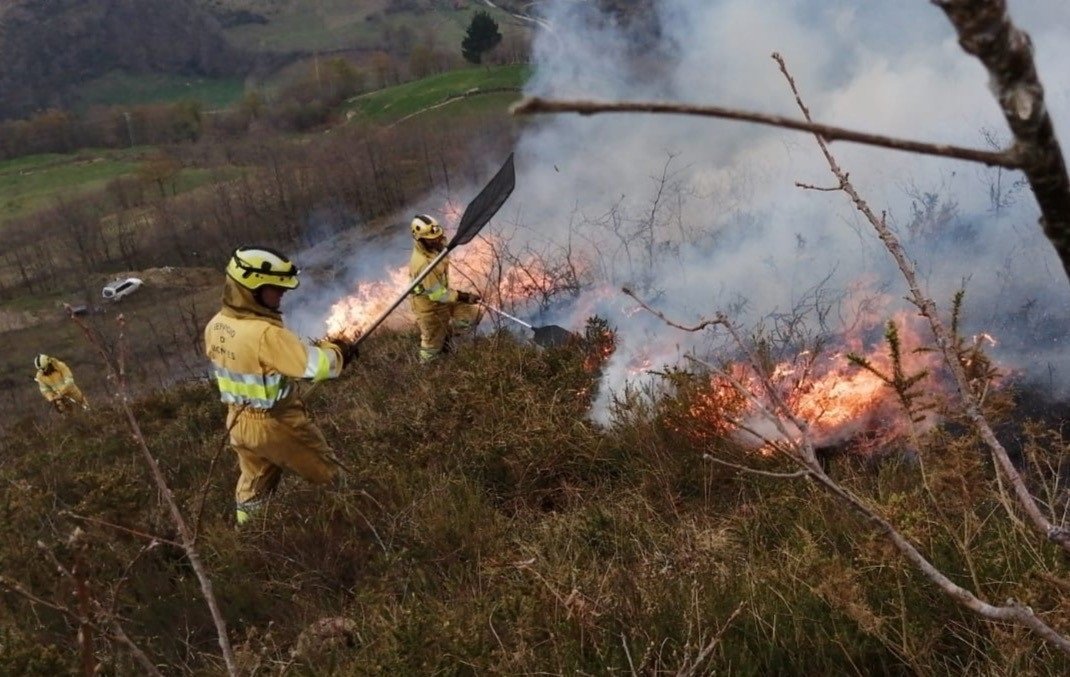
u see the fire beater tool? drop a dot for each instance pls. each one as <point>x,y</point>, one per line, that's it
<point>476,215</point>
<point>549,336</point>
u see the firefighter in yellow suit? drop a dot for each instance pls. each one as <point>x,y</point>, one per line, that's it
<point>56,383</point>
<point>254,359</point>
<point>439,310</point>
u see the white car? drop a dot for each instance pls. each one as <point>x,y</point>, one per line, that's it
<point>113,291</point>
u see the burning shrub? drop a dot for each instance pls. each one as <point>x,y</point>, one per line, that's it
<point>601,343</point>
<point>701,407</point>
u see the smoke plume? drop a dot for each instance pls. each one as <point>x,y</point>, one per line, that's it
<point>701,215</point>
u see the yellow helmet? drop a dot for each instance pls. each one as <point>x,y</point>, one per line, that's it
<point>42,361</point>
<point>255,267</point>
<point>425,227</point>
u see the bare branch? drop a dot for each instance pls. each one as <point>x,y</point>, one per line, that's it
<point>987,32</point>
<point>944,340</point>
<point>754,471</point>
<point>1012,612</point>
<point>120,636</point>
<point>692,669</point>
<point>803,445</point>
<point>139,655</point>
<point>188,537</point>
<point>202,495</point>
<point>1062,583</point>
<point>1006,158</point>
<point>720,319</point>
<point>20,590</point>
<point>118,527</point>
<point>746,392</point>
<point>628,654</point>
<point>807,186</point>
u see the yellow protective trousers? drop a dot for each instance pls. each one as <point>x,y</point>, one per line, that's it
<point>72,397</point>
<point>439,323</point>
<point>267,442</point>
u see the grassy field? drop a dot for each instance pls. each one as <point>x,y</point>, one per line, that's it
<point>341,24</point>
<point>126,89</point>
<point>394,103</point>
<point>30,183</point>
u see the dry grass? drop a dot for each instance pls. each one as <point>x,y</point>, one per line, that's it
<point>489,528</point>
<point>164,324</point>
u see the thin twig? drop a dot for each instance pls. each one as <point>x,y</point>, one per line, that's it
<point>188,544</point>
<point>720,319</point>
<point>944,340</point>
<point>202,495</point>
<point>117,527</point>
<point>119,636</point>
<point>1005,158</point>
<point>807,186</point>
<point>628,655</point>
<point>115,592</point>
<point>1062,583</point>
<point>18,589</point>
<point>711,645</point>
<point>754,471</point>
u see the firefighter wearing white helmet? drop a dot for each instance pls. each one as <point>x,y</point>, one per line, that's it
<point>254,361</point>
<point>439,309</point>
<point>56,383</point>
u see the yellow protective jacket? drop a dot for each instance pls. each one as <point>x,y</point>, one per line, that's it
<point>254,357</point>
<point>434,289</point>
<point>58,383</point>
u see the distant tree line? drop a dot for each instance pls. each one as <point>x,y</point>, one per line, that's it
<point>310,100</point>
<point>306,103</point>
<point>265,189</point>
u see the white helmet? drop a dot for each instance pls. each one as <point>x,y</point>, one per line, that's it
<point>425,227</point>
<point>42,361</point>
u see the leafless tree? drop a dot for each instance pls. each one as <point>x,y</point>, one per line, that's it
<point>985,31</point>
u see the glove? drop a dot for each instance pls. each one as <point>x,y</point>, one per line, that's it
<point>349,352</point>
<point>468,297</point>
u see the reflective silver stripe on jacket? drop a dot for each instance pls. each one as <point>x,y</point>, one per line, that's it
<point>321,364</point>
<point>255,390</point>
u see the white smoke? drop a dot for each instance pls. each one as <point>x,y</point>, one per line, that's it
<point>701,215</point>
<point>732,226</point>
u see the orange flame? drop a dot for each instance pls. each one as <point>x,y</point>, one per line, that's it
<point>350,316</point>
<point>841,402</point>
<point>478,266</point>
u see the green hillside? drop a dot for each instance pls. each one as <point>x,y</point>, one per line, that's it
<point>125,89</point>
<point>394,103</point>
<point>31,183</point>
<point>373,24</point>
